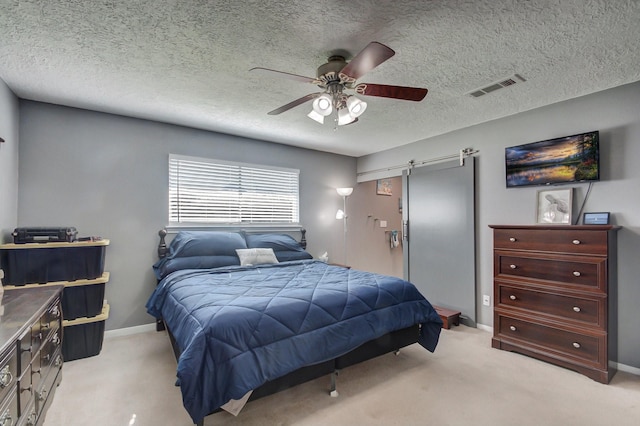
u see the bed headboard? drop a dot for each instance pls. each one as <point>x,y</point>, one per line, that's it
<point>163,249</point>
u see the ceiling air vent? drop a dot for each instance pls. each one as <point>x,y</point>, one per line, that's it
<point>510,81</point>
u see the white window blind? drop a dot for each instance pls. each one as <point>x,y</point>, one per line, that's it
<point>220,192</point>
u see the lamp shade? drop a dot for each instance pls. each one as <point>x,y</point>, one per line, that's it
<point>355,106</point>
<point>315,116</point>
<point>344,192</point>
<point>322,104</point>
<point>344,117</point>
<point>340,214</point>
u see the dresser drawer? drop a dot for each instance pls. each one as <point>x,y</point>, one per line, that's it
<point>25,390</point>
<point>45,390</point>
<point>49,351</point>
<point>581,346</point>
<point>8,373</point>
<point>587,273</point>
<point>589,311</point>
<point>51,319</point>
<point>569,241</point>
<point>9,409</point>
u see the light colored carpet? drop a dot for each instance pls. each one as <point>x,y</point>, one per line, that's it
<point>465,382</point>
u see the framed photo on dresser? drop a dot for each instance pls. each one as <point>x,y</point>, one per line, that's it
<point>554,206</point>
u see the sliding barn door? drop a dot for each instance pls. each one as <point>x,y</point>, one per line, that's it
<point>439,245</point>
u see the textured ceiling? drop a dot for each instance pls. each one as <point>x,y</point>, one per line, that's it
<point>187,62</point>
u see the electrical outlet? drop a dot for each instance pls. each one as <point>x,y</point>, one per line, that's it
<point>486,300</point>
<point>383,224</point>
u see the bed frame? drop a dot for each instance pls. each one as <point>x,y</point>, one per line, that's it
<point>391,342</point>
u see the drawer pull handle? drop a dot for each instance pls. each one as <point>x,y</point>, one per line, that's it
<point>512,328</point>
<point>513,240</point>
<point>576,273</point>
<point>512,297</point>
<point>33,416</point>
<point>576,309</point>
<point>5,419</point>
<point>513,266</point>
<point>576,242</point>
<point>5,377</point>
<point>576,345</point>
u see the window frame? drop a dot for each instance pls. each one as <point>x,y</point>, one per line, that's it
<point>253,226</point>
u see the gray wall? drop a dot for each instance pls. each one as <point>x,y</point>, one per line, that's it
<point>107,176</point>
<point>368,243</point>
<point>616,113</point>
<point>8,160</point>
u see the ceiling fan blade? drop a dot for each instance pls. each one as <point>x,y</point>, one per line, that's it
<point>370,57</point>
<point>396,92</point>
<point>294,104</point>
<point>284,75</point>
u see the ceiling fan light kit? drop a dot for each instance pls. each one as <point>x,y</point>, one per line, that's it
<point>315,116</point>
<point>344,117</point>
<point>336,76</point>
<point>323,105</point>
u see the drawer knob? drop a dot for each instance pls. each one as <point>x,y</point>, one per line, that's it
<point>576,345</point>
<point>512,266</point>
<point>576,273</point>
<point>513,240</point>
<point>512,297</point>
<point>576,309</point>
<point>576,242</point>
<point>512,328</point>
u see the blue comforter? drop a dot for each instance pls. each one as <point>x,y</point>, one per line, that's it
<point>239,327</point>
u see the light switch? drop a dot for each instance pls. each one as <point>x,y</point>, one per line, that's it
<point>383,224</point>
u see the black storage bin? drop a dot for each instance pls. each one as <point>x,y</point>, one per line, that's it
<point>82,338</point>
<point>82,300</point>
<point>52,262</point>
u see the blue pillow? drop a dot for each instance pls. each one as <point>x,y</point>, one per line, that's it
<point>164,267</point>
<point>278,242</point>
<point>205,243</point>
<point>284,246</point>
<point>200,250</point>
<point>287,255</point>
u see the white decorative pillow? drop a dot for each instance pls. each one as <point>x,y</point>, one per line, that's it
<point>256,256</point>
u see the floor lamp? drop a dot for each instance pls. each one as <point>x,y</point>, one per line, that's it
<point>342,214</point>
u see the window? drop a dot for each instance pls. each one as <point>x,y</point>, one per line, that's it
<point>207,191</point>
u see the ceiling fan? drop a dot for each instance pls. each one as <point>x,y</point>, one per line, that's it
<point>337,76</point>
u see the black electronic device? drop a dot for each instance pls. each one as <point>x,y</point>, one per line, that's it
<point>44,235</point>
<point>595,218</point>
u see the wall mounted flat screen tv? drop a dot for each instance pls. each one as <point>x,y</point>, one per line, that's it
<point>568,159</point>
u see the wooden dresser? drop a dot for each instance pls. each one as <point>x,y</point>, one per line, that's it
<point>555,294</point>
<point>30,353</point>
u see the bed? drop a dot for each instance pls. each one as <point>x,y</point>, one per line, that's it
<point>251,314</point>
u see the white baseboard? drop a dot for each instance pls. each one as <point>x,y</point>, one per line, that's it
<point>128,331</point>
<point>626,368</point>
<point>485,327</point>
